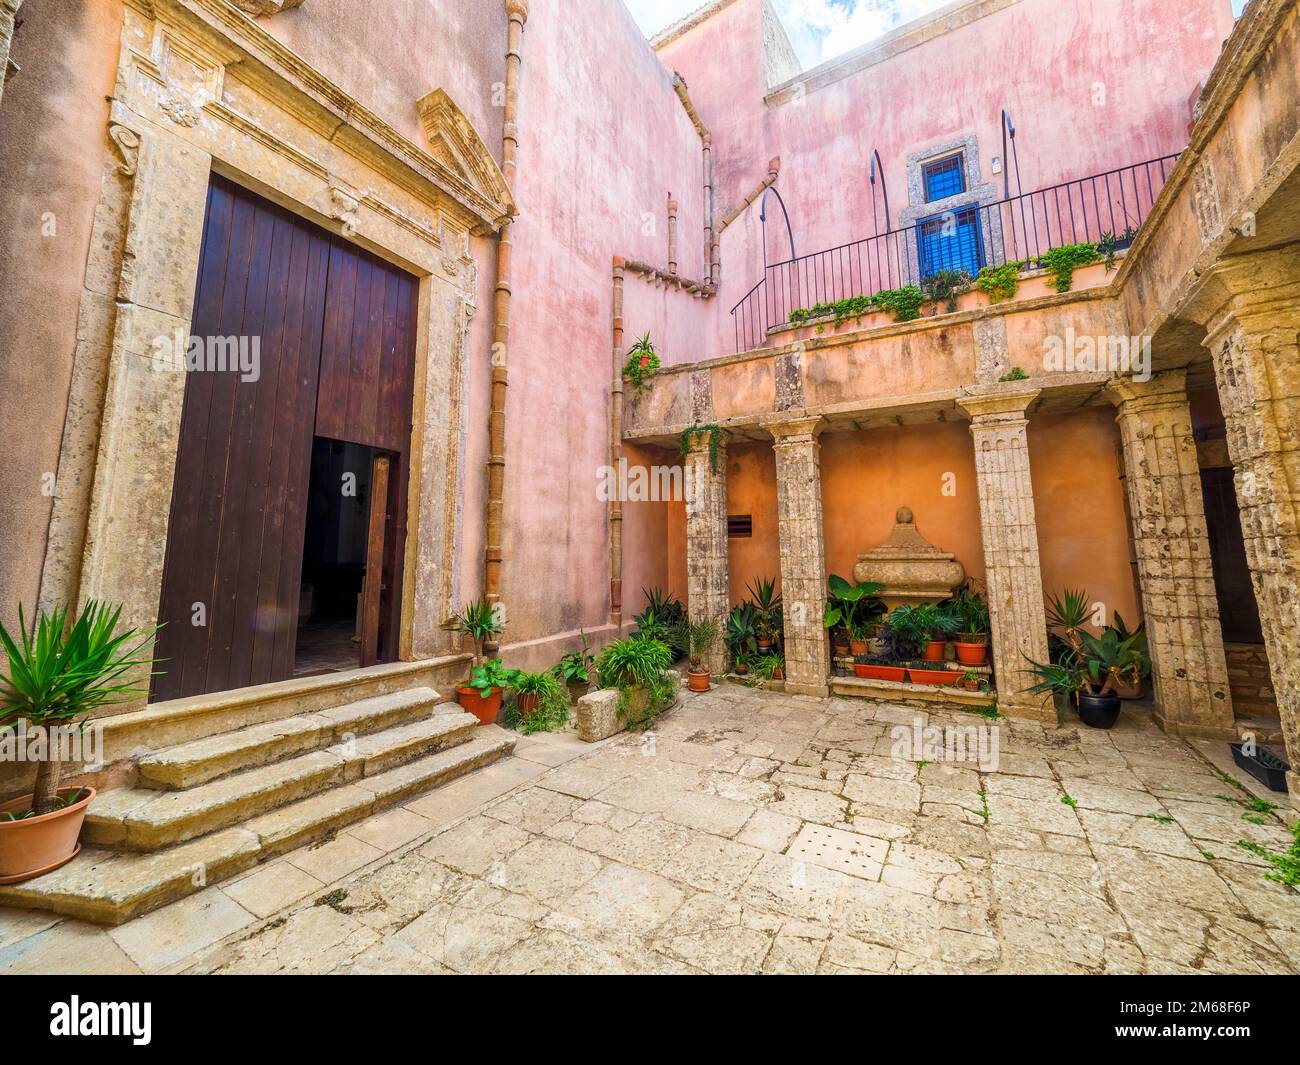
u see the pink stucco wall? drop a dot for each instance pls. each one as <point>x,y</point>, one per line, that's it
<point>1091,84</point>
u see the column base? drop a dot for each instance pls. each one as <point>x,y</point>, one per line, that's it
<point>1045,714</point>
<point>803,688</point>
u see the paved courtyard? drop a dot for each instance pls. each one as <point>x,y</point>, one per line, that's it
<point>756,832</point>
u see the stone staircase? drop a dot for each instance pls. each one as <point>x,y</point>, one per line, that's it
<point>205,809</point>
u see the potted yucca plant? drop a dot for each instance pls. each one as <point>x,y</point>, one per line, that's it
<point>700,637</point>
<point>57,675</point>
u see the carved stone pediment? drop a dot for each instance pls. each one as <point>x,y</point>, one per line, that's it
<point>911,568</point>
<point>456,145</point>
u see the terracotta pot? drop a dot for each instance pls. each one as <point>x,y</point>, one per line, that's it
<point>971,685</point>
<point>971,654</point>
<point>645,361</point>
<point>765,646</point>
<point>778,674</point>
<point>528,703</point>
<point>699,682</point>
<point>933,651</point>
<point>858,647</point>
<point>842,650</point>
<point>485,710</point>
<point>741,669</point>
<point>936,677</point>
<point>40,844</point>
<point>868,672</point>
<point>577,689</point>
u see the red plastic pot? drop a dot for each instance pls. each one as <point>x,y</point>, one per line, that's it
<point>971,654</point>
<point>933,651</point>
<point>485,709</point>
<point>699,682</point>
<point>858,647</point>
<point>40,844</point>
<point>867,672</point>
<point>936,677</point>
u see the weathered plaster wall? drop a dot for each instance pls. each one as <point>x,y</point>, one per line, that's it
<point>751,489</point>
<point>53,136</point>
<point>1091,84</point>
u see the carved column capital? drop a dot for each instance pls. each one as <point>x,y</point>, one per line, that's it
<point>790,431</point>
<point>998,406</point>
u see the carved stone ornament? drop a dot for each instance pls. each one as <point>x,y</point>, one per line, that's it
<point>911,568</point>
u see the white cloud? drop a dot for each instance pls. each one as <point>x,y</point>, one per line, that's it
<point>818,29</point>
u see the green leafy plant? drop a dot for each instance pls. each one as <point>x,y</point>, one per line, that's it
<point>855,606</point>
<point>642,362</point>
<point>903,303</point>
<point>634,662</point>
<point>1060,263</point>
<point>1015,374</point>
<point>1070,801</point>
<point>999,282</point>
<point>1109,244</point>
<point>551,713</point>
<point>715,442</point>
<point>970,612</point>
<point>661,619</point>
<point>59,673</point>
<point>1286,865</point>
<point>480,621</point>
<point>767,605</point>
<point>489,676</point>
<point>741,637</point>
<point>914,627</point>
<point>944,286</point>
<point>574,667</point>
<point>856,307</point>
<point>700,638</point>
<point>767,666</point>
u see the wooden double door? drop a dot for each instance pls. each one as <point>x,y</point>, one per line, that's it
<point>328,335</point>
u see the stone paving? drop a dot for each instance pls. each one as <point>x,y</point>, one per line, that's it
<point>758,832</point>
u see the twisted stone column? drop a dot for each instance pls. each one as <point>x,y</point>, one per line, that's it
<point>803,553</point>
<point>1010,532</point>
<point>1179,605</point>
<point>708,590</point>
<point>1250,307</point>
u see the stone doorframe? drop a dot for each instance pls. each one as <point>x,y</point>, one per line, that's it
<point>202,88</point>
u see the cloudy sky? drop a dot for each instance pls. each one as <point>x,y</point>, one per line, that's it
<point>819,29</point>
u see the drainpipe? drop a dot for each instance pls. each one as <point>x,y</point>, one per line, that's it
<point>517,13</point>
<point>710,197</point>
<point>672,234</point>
<point>616,456</point>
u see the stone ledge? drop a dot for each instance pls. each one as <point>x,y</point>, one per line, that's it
<point>899,691</point>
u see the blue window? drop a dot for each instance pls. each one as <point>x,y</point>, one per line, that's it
<point>944,178</point>
<point>950,241</point>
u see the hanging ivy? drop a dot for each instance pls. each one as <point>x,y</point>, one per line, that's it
<point>999,282</point>
<point>1060,263</point>
<point>715,442</point>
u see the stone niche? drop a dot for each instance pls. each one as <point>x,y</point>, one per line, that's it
<point>912,569</point>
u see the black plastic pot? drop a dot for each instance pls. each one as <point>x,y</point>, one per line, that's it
<point>1098,711</point>
<point>1263,766</point>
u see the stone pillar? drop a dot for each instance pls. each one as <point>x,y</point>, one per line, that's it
<point>1250,307</point>
<point>708,590</point>
<point>8,14</point>
<point>803,554</point>
<point>1010,531</point>
<point>1179,605</point>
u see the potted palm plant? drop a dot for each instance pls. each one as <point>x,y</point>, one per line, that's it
<point>56,677</point>
<point>767,604</point>
<point>971,636</point>
<point>742,635</point>
<point>481,622</point>
<point>855,607</point>
<point>700,637</point>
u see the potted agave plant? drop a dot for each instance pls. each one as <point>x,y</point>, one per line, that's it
<point>741,636</point>
<point>57,676</point>
<point>700,637</point>
<point>767,606</point>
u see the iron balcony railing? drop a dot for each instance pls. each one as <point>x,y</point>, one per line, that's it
<point>968,237</point>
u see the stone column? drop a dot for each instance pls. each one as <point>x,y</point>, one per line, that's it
<point>8,14</point>
<point>708,591</point>
<point>1179,605</point>
<point>1010,532</point>
<point>803,554</point>
<point>1250,307</point>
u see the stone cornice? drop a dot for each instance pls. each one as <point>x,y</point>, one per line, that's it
<point>303,90</point>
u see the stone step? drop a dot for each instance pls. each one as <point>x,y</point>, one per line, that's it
<point>189,764</point>
<point>109,887</point>
<point>145,819</point>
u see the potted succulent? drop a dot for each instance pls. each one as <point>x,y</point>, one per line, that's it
<point>741,637</point>
<point>482,695</point>
<point>854,608</point>
<point>635,666</point>
<point>700,638</point>
<point>767,605</point>
<point>574,669</point>
<point>56,676</point>
<point>482,622</point>
<point>970,611</point>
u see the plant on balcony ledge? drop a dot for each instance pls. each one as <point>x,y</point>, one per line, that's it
<point>944,286</point>
<point>642,362</point>
<point>1000,282</point>
<point>715,442</point>
<point>903,303</point>
<point>1060,263</point>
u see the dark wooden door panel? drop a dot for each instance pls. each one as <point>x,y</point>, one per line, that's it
<point>337,359</point>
